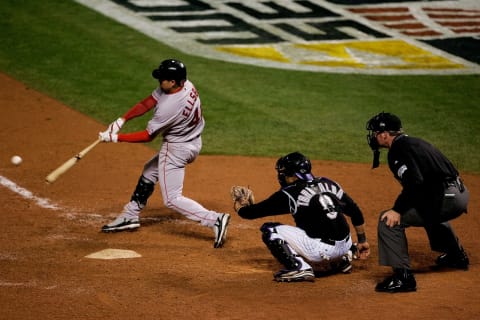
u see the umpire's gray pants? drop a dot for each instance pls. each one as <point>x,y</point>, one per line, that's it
<point>392,241</point>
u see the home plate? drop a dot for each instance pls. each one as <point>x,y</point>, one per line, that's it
<point>108,254</point>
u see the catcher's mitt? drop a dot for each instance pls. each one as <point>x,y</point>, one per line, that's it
<point>241,196</point>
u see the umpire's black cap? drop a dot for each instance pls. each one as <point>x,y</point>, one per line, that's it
<point>384,122</point>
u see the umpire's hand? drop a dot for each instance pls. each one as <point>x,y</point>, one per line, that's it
<point>391,218</point>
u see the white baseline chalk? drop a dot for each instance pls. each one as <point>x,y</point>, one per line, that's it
<point>41,202</point>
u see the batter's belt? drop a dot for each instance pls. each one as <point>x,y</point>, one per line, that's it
<point>187,141</point>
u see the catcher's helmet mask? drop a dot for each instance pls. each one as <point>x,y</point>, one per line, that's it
<point>171,69</point>
<point>293,164</point>
<point>380,123</point>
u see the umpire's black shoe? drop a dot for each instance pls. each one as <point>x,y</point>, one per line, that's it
<point>402,280</point>
<point>458,261</point>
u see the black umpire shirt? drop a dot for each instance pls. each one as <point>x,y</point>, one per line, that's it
<point>309,215</point>
<point>422,171</point>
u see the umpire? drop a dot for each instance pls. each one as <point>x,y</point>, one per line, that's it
<point>432,194</point>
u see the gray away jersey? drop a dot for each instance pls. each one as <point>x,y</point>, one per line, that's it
<point>178,115</point>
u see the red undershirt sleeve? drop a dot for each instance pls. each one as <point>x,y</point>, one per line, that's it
<point>139,136</point>
<point>140,108</point>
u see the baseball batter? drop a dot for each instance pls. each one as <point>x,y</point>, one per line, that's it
<point>321,234</point>
<point>177,117</point>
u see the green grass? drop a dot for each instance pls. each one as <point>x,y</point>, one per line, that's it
<point>102,68</point>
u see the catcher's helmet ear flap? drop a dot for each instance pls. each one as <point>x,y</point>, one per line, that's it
<point>171,69</point>
<point>293,164</point>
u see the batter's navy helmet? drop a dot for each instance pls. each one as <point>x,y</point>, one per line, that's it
<point>293,164</point>
<point>171,69</point>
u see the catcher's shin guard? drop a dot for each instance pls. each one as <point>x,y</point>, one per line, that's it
<point>143,191</point>
<point>279,248</point>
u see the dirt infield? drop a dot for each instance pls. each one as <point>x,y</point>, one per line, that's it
<point>48,230</point>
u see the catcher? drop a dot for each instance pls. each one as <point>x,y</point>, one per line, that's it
<point>321,235</point>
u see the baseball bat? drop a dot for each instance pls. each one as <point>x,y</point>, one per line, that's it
<point>69,163</point>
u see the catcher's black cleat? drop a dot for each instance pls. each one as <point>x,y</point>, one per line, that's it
<point>294,275</point>
<point>402,280</point>
<point>459,261</point>
<point>345,265</point>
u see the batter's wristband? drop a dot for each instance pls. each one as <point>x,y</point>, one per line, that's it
<point>361,237</point>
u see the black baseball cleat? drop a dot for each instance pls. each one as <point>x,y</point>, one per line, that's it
<point>344,265</point>
<point>220,230</point>
<point>122,224</point>
<point>402,280</point>
<point>294,275</point>
<point>459,261</point>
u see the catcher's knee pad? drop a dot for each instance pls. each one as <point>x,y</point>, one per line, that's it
<point>268,227</point>
<point>279,248</point>
<point>143,191</point>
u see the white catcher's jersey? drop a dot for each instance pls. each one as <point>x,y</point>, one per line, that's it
<point>178,115</point>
